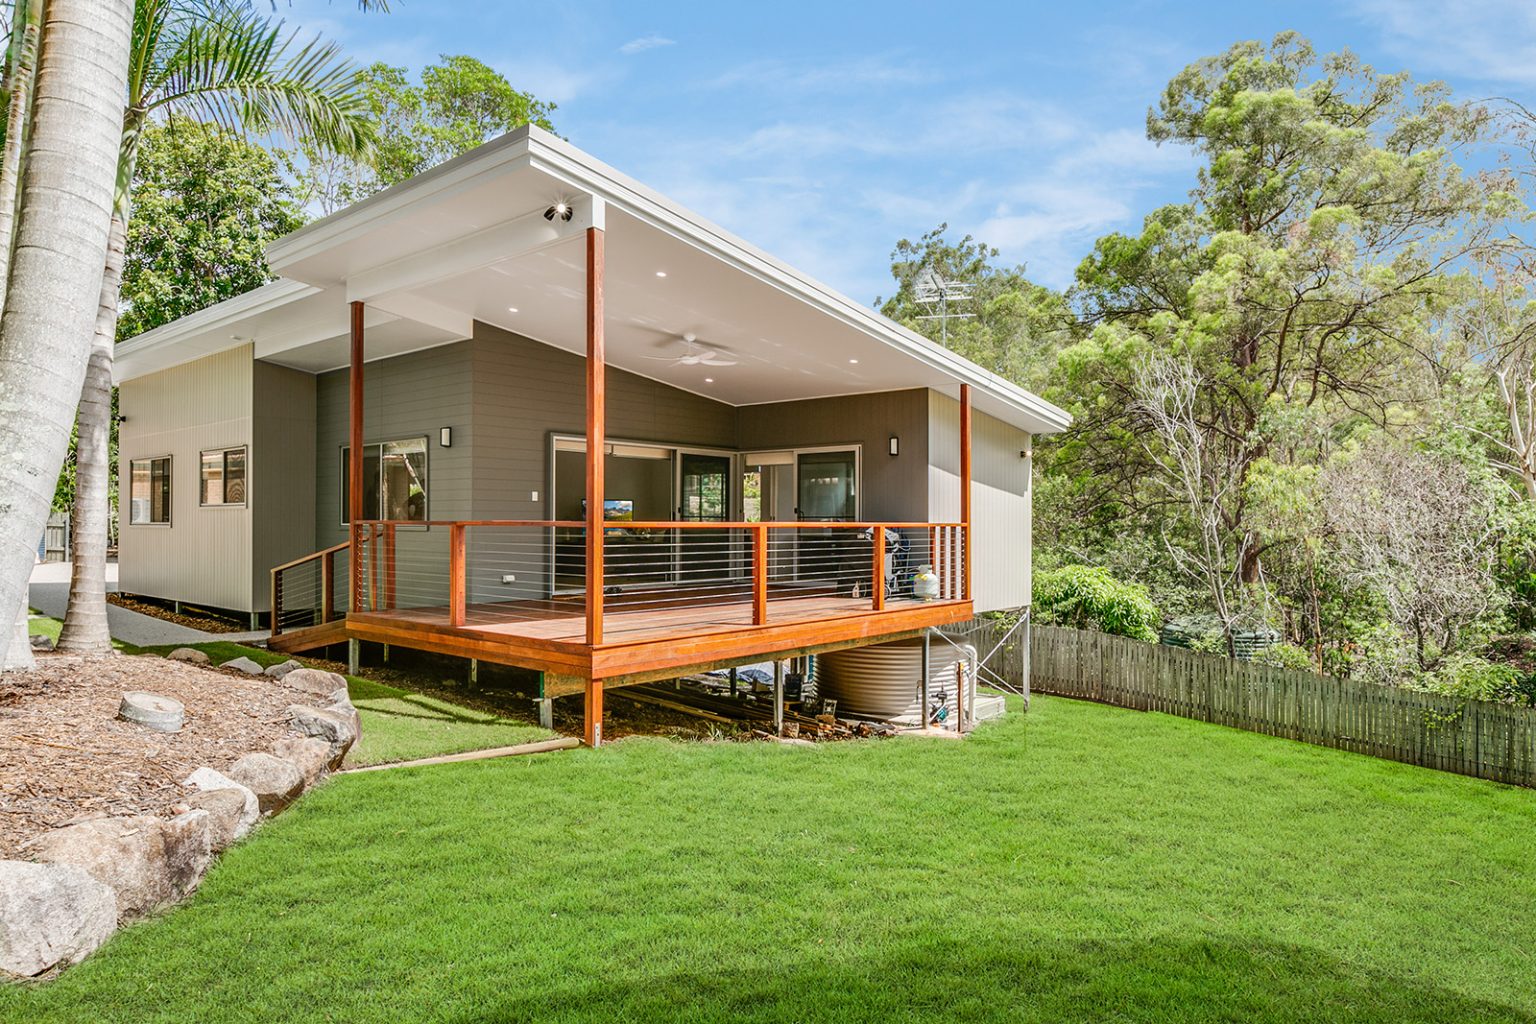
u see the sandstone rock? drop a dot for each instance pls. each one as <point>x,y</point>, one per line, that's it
<point>245,665</point>
<point>51,915</point>
<point>276,782</point>
<point>314,681</point>
<point>208,780</point>
<point>281,669</point>
<point>311,756</point>
<point>189,654</point>
<point>340,701</point>
<point>152,711</point>
<point>226,810</point>
<point>188,849</point>
<point>126,853</point>
<point>334,727</point>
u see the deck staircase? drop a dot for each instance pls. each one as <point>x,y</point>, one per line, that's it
<point>306,612</point>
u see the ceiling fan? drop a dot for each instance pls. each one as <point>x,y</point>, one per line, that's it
<point>695,354</point>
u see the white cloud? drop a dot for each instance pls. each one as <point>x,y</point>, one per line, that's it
<point>878,71</point>
<point>646,42</point>
<point>1483,40</point>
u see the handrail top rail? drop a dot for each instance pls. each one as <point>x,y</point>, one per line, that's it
<point>311,557</point>
<point>689,524</point>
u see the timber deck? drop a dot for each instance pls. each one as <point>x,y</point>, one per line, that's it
<point>640,643</point>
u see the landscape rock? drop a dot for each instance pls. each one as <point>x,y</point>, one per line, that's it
<point>340,701</point>
<point>152,711</point>
<point>41,643</point>
<point>188,849</point>
<point>312,756</point>
<point>275,781</point>
<point>51,915</point>
<point>189,654</point>
<point>245,665</point>
<point>225,809</point>
<point>281,669</point>
<point>314,681</point>
<point>208,780</point>
<point>334,727</point>
<point>126,853</point>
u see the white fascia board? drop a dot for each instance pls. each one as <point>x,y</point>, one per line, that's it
<point>174,343</point>
<point>561,160</point>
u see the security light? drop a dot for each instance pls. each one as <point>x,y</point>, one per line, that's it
<point>562,209</point>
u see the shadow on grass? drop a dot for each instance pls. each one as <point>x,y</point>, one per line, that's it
<point>435,712</point>
<point>1019,980</point>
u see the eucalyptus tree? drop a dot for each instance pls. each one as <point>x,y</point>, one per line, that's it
<point>57,251</point>
<point>235,67</point>
<point>1322,243</point>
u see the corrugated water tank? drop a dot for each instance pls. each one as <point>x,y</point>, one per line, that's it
<point>884,681</point>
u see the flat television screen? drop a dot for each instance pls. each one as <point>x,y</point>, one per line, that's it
<point>618,510</point>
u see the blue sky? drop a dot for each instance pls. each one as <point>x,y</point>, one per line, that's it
<point>824,132</point>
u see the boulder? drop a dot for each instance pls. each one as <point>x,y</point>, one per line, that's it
<point>51,915</point>
<point>126,853</point>
<point>208,780</point>
<point>275,781</point>
<point>190,655</point>
<point>226,810</point>
<point>311,756</point>
<point>245,665</point>
<point>340,701</point>
<point>334,727</point>
<point>152,711</point>
<point>40,642</point>
<point>188,849</point>
<point>315,682</point>
<point>281,669</point>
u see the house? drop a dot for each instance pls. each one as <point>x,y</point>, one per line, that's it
<point>525,410</point>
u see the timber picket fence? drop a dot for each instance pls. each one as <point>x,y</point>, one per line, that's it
<point>1471,737</point>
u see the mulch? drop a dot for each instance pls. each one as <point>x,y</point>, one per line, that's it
<point>65,757</point>
<point>189,618</point>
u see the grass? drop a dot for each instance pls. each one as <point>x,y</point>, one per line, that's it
<point>39,624</point>
<point>1080,863</point>
<point>398,724</point>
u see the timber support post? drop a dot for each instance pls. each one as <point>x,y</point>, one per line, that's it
<point>596,429</point>
<point>923,688</point>
<point>354,656</point>
<point>965,490</point>
<point>593,714</point>
<point>355,455</point>
<point>778,697</point>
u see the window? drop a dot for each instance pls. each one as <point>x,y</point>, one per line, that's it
<point>149,497</point>
<point>394,481</point>
<point>223,477</point>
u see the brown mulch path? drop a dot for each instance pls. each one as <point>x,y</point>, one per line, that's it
<point>66,757</point>
<point>193,620</point>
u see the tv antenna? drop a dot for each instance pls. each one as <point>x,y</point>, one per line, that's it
<point>936,293</point>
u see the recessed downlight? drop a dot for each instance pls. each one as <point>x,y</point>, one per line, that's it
<point>709,380</point>
<point>511,309</point>
<point>853,360</point>
<point>661,273</point>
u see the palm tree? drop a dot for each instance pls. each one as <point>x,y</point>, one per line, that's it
<point>219,62</point>
<point>57,252</point>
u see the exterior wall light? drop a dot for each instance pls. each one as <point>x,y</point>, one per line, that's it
<point>445,437</point>
<point>895,445</point>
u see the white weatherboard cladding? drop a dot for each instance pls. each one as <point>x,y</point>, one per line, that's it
<point>204,556</point>
<point>1001,494</point>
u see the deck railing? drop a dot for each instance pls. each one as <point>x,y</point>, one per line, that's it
<point>312,590</point>
<point>480,571</point>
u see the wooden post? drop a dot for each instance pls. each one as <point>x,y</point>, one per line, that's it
<point>965,489</point>
<point>879,588</point>
<point>389,565</point>
<point>927,669</point>
<point>596,434</point>
<point>456,575</point>
<point>733,680</point>
<point>593,711</point>
<point>277,623</point>
<point>759,580</point>
<point>355,453</point>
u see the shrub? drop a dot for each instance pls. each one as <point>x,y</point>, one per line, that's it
<point>1088,597</point>
<point>1466,675</point>
<point>1286,656</point>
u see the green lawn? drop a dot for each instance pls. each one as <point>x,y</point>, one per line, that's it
<point>1081,863</point>
<point>399,724</point>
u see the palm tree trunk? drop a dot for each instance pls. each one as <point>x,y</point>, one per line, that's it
<point>85,621</point>
<point>63,219</point>
<point>25,31</point>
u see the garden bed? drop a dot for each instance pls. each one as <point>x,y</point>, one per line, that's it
<point>65,757</point>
